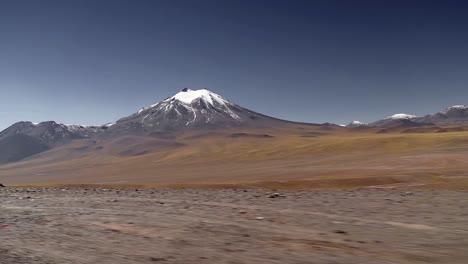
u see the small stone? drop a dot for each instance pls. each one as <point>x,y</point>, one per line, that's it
<point>275,195</point>
<point>340,232</point>
<point>157,259</point>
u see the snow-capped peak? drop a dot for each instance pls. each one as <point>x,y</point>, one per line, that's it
<point>187,96</point>
<point>356,123</point>
<point>458,107</point>
<point>401,116</point>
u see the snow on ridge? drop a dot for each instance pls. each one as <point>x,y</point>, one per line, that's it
<point>147,107</point>
<point>29,122</point>
<point>455,107</point>
<point>74,127</point>
<point>401,116</point>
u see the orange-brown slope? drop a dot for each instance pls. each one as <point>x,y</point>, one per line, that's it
<point>292,154</point>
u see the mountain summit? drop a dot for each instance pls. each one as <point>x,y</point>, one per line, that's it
<point>191,109</point>
<point>192,100</point>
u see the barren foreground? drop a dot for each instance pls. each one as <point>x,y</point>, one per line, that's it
<point>232,226</point>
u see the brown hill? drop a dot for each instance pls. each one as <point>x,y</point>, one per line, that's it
<point>332,158</point>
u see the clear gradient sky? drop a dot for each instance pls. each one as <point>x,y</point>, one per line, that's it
<point>94,61</point>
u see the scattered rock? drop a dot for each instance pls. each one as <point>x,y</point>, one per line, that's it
<point>275,195</point>
<point>157,259</point>
<point>340,232</point>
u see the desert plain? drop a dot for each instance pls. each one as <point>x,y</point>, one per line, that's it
<point>303,195</point>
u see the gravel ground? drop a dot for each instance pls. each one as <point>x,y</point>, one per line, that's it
<point>47,225</point>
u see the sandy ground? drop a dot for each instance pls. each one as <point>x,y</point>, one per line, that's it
<point>232,226</point>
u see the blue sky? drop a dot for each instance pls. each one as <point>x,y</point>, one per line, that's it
<point>94,61</point>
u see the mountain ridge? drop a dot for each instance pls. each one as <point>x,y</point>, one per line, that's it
<point>195,110</point>
<point>453,115</point>
<point>187,110</point>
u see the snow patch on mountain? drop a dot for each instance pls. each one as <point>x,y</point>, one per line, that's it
<point>147,107</point>
<point>401,116</point>
<point>357,123</point>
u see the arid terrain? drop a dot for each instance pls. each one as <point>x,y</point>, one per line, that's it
<point>367,225</point>
<point>303,156</point>
<point>293,194</point>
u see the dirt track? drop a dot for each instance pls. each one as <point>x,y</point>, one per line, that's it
<point>232,226</point>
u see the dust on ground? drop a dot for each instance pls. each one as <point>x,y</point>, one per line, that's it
<point>79,225</point>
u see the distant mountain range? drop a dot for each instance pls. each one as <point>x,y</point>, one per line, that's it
<point>24,139</point>
<point>188,110</point>
<point>454,115</point>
